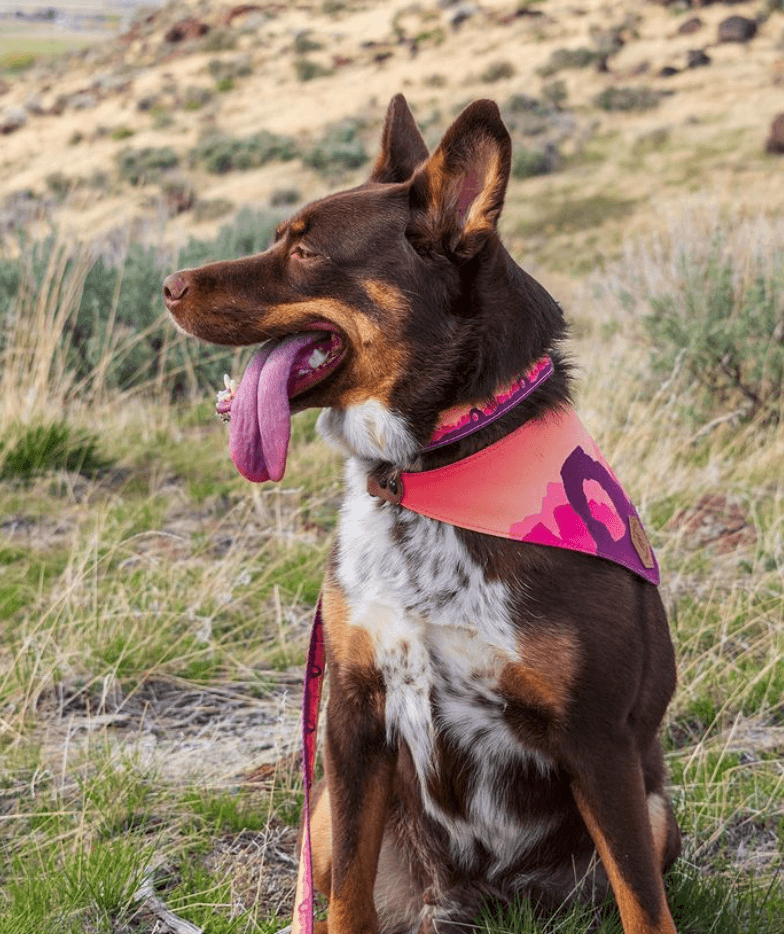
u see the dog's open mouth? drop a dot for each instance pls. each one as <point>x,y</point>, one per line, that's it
<point>260,407</point>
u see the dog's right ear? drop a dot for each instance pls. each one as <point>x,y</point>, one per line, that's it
<point>402,146</point>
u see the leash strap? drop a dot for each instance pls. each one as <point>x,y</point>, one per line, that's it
<point>302,921</point>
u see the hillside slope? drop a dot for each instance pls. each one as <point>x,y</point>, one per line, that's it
<point>200,109</point>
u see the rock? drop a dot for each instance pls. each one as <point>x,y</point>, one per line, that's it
<point>12,119</point>
<point>244,8</point>
<point>691,25</point>
<point>737,29</point>
<point>697,58</point>
<point>461,13</point>
<point>111,84</point>
<point>191,28</point>
<point>147,102</point>
<point>83,100</point>
<point>775,142</point>
<point>34,106</point>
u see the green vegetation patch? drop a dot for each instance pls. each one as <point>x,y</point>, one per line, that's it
<point>721,322</point>
<point>698,904</point>
<point>571,216</point>
<point>219,154</point>
<point>497,71</point>
<point>306,69</point>
<point>340,149</point>
<point>17,61</point>
<point>562,59</point>
<point>139,166</point>
<point>40,448</point>
<point>118,334</point>
<point>628,98</point>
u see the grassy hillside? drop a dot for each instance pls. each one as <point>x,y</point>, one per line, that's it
<point>155,607</point>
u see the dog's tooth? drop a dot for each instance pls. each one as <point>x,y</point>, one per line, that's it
<point>317,358</point>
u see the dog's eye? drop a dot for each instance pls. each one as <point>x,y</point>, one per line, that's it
<point>300,252</point>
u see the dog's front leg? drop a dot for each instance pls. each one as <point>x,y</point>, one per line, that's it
<point>360,766</point>
<point>610,794</point>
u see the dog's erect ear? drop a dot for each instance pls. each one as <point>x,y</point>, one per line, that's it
<point>458,195</point>
<point>402,146</point>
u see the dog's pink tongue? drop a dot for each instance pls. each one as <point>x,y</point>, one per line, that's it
<point>260,411</point>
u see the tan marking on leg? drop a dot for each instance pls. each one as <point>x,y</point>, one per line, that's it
<point>659,818</point>
<point>351,907</point>
<point>634,918</point>
<point>351,646</point>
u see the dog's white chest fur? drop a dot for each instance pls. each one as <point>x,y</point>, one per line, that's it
<point>441,634</point>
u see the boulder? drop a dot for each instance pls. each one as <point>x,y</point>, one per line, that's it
<point>775,142</point>
<point>697,58</point>
<point>691,25</point>
<point>737,29</point>
<point>186,29</point>
<point>12,119</point>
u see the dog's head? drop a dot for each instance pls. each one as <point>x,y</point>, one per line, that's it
<point>382,304</point>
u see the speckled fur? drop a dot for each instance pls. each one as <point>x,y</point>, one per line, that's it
<point>441,633</point>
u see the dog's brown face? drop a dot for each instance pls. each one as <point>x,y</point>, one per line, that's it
<point>378,275</point>
<point>311,277</point>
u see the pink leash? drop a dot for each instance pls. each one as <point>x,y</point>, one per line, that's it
<point>302,921</point>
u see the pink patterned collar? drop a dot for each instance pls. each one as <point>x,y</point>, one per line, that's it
<point>462,420</point>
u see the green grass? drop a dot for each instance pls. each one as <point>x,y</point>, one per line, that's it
<point>699,905</point>
<point>20,50</point>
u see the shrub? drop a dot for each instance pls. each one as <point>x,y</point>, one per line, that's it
<point>562,59</point>
<point>530,162</point>
<point>497,71</point>
<point>554,94</point>
<point>219,154</point>
<point>284,197</point>
<point>304,44</point>
<point>219,40</point>
<point>119,336</point>
<point>196,97</point>
<point>121,132</point>
<point>40,448</point>
<point>306,69</point>
<point>224,71</point>
<point>59,184</point>
<point>721,321</point>
<point>338,150</point>
<point>146,165</point>
<point>627,99</point>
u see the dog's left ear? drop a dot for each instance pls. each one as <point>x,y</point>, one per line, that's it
<point>402,146</point>
<point>457,196</point>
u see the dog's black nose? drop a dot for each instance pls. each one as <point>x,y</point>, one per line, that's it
<point>175,287</point>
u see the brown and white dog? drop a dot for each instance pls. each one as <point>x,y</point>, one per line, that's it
<point>494,704</point>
